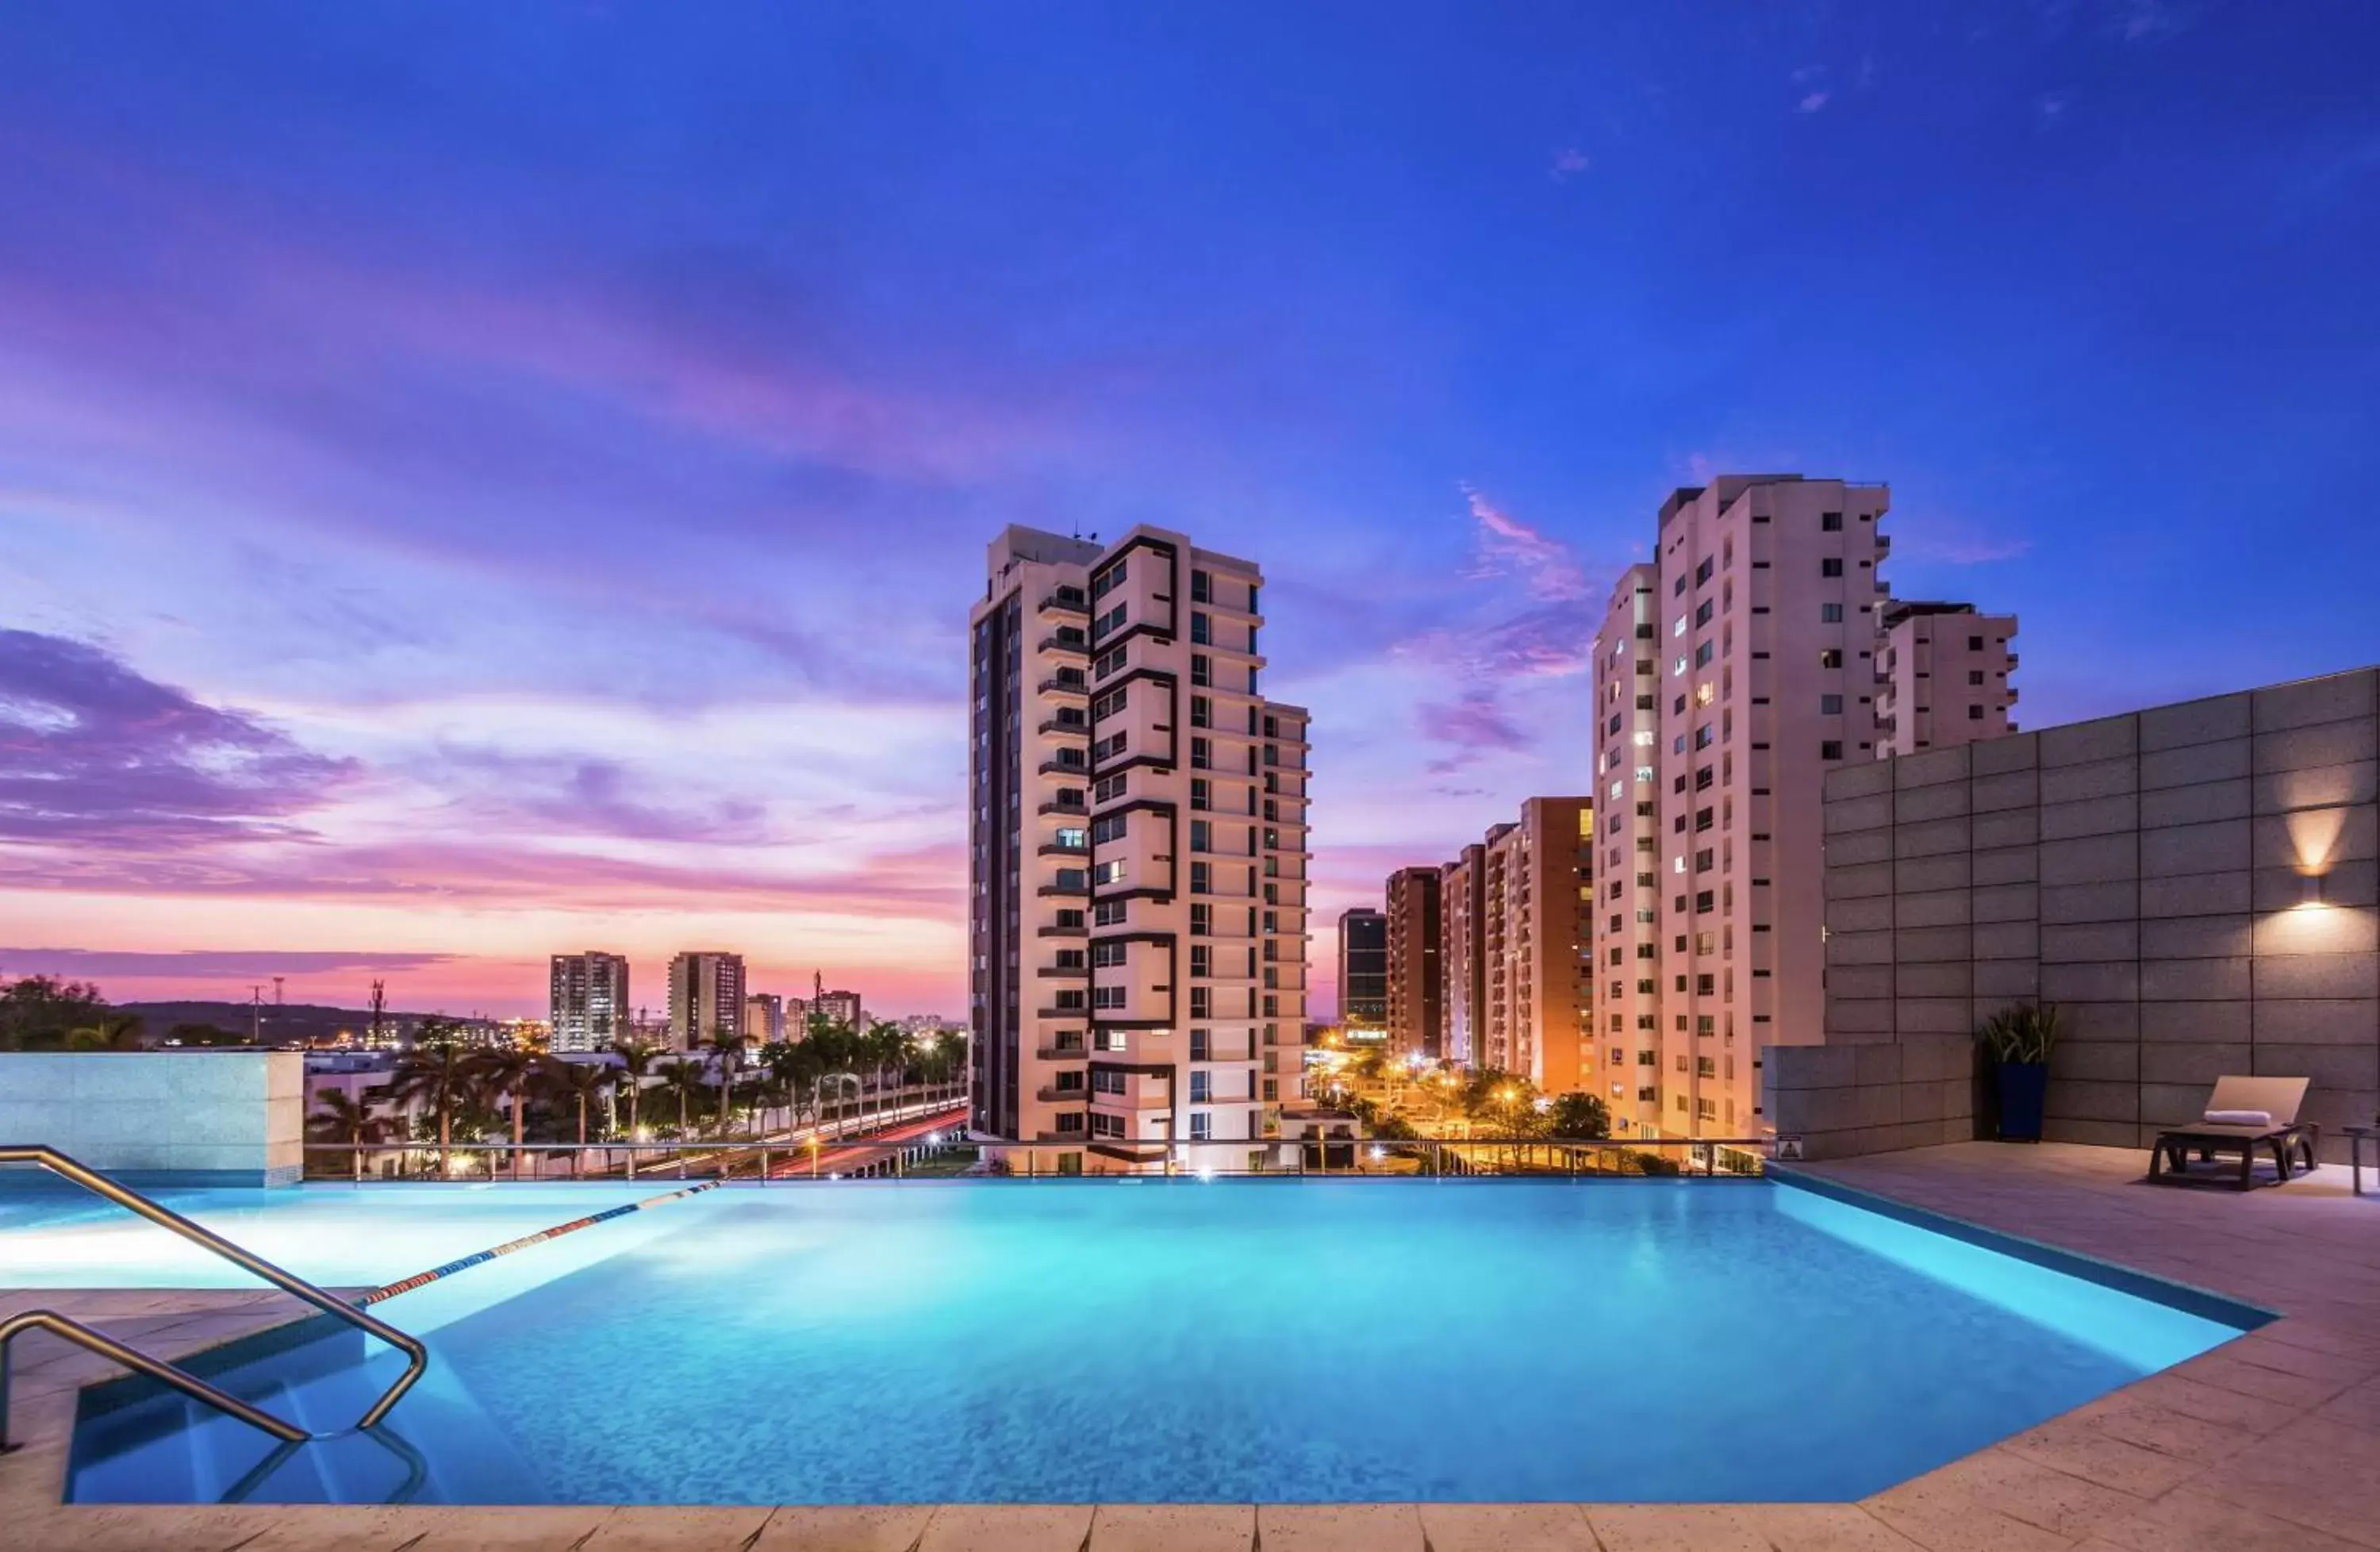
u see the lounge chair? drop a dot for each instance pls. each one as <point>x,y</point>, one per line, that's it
<point>2242,1115</point>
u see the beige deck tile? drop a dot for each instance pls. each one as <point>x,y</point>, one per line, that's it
<point>1827,1528</point>
<point>2190,1520</point>
<point>1678,1528</point>
<point>1339,1528</point>
<point>2313,1473</point>
<point>2225,1372</point>
<point>837,1529</point>
<point>2079,1449</point>
<point>677,1530</point>
<point>2176,1392</point>
<point>2358,1408</point>
<point>1499,1527</point>
<point>68,1529</point>
<point>1007,1528</point>
<point>1174,1528</point>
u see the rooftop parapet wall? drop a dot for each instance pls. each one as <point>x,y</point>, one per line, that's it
<point>162,1118</point>
<point>2195,886</point>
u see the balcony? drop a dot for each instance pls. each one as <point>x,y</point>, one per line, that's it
<point>1064,972</point>
<point>1050,1095</point>
<point>1062,932</point>
<point>1060,1053</point>
<point>1079,809</point>
<point>1060,767</point>
<point>1076,891</point>
<point>1054,644</point>
<point>1065,687</point>
<point>1062,1013</point>
<point>1058,604</point>
<point>1074,730</point>
<point>1056,848</point>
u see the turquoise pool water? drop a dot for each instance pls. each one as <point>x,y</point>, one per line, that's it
<point>1179,1342</point>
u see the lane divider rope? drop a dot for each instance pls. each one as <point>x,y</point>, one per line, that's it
<point>423,1279</point>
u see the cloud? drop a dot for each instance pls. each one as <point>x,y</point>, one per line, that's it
<point>205,963</point>
<point>1476,725</point>
<point>589,795</point>
<point>1947,542</point>
<point>94,755</point>
<point>1568,163</point>
<point>1812,102</point>
<point>1507,546</point>
<point>2050,107</point>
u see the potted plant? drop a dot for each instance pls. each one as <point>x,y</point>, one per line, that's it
<point>2020,1038</point>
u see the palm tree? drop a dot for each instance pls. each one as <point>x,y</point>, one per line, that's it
<point>577,1081</point>
<point>340,1117</point>
<point>437,1072</point>
<point>117,1032</point>
<point>637,1060</point>
<point>885,1047</point>
<point>729,1045</point>
<point>508,1072</point>
<point>683,1077</point>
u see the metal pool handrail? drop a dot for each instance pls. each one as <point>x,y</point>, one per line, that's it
<point>74,1331</point>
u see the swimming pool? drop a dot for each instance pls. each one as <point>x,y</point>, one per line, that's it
<point>1179,1342</point>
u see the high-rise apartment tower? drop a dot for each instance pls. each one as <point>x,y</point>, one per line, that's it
<point>1136,822</point>
<point>1417,979</point>
<point>589,1001</point>
<point>1942,677</point>
<point>1364,973</point>
<point>706,998</point>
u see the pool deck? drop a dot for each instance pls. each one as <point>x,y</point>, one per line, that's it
<point>2273,1441</point>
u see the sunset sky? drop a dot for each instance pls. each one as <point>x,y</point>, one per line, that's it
<point>478,480</point>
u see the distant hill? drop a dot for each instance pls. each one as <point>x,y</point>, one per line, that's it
<point>291,1023</point>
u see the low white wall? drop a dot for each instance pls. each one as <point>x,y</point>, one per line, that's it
<point>160,1118</point>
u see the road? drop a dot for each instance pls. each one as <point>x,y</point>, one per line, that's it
<point>843,1158</point>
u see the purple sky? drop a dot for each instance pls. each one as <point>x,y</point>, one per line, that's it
<point>476,482</point>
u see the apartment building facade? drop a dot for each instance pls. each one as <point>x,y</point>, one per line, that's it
<point>1137,835</point>
<point>1416,964</point>
<point>1724,693</point>
<point>1942,676</point>
<point>589,1007</point>
<point>706,996</point>
<point>1364,973</point>
<point>1539,997</point>
<point>1463,958</point>
<point>764,1017</point>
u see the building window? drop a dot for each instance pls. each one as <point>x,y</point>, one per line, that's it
<point>1107,956</point>
<point>1202,628</point>
<point>1830,613</point>
<point>1108,912</point>
<point>1070,1122</point>
<point>1202,919</point>
<point>1830,522</point>
<point>1108,873</point>
<point>1202,878</point>
<point>1974,644</point>
<point>1974,677</point>
<point>1108,662</point>
<point>1832,749</point>
<point>1974,714</point>
<point>1831,657</point>
<point>1830,566</point>
<point>1202,587</point>
<point>1830,704</point>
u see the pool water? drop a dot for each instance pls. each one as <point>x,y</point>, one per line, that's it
<point>1178,1342</point>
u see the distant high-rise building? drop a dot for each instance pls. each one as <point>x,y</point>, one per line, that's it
<point>840,1007</point>
<point>706,996</point>
<point>590,1000</point>
<point>1416,964</point>
<point>1731,673</point>
<point>1137,816</point>
<point>1942,677</point>
<point>1539,991</point>
<point>1463,960</point>
<point>1364,973</point>
<point>764,1017</point>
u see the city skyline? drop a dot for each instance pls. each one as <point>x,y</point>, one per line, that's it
<point>421,554</point>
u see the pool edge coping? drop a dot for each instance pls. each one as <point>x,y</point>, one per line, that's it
<point>2221,1308</point>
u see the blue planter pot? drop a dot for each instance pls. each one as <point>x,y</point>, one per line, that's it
<point>2025,1090</point>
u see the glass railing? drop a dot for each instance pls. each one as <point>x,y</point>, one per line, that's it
<point>948,1153</point>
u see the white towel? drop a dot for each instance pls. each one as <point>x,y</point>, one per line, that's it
<point>2239,1118</point>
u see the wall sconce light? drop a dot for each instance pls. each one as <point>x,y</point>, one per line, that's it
<point>2312,894</point>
